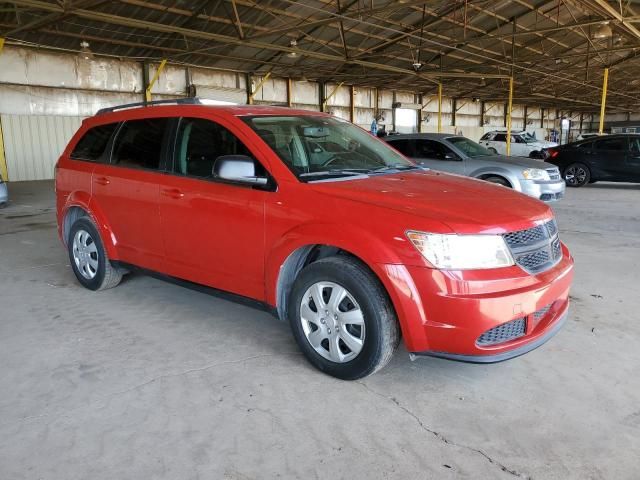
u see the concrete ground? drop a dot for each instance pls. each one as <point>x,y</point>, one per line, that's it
<point>151,380</point>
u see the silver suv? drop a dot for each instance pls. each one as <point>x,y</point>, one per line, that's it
<point>457,154</point>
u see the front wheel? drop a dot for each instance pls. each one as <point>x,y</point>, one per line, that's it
<point>577,175</point>
<point>493,150</point>
<point>342,319</point>
<point>498,180</point>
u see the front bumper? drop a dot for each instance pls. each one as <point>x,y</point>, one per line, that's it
<point>547,191</point>
<point>444,313</point>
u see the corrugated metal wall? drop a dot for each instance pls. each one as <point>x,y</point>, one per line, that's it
<point>33,143</point>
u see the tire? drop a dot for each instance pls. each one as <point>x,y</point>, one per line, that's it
<point>497,180</point>
<point>376,332</point>
<point>537,155</point>
<point>493,150</point>
<point>576,175</point>
<point>88,257</point>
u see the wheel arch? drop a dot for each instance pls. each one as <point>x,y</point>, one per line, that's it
<point>486,172</point>
<point>79,205</point>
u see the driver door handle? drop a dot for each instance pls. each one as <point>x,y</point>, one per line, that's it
<point>172,193</point>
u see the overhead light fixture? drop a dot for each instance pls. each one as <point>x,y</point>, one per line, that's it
<point>603,31</point>
<point>417,65</point>
<point>85,53</point>
<point>293,44</point>
<point>483,82</point>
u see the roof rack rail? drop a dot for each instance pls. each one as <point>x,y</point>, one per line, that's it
<point>176,101</point>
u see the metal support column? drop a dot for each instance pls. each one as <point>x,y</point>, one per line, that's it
<point>440,107</point>
<point>509,108</point>
<point>147,94</point>
<point>603,102</point>
<point>289,92</point>
<point>258,87</point>
<point>454,109</point>
<point>352,104</point>
<point>333,92</point>
<point>3,161</point>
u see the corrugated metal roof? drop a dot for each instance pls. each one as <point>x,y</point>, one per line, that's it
<point>364,42</point>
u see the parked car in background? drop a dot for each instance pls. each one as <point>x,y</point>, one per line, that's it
<point>523,144</point>
<point>4,193</point>
<point>614,158</point>
<point>457,154</point>
<point>585,135</point>
<point>317,221</point>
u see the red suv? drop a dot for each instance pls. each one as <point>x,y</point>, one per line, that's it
<point>324,224</point>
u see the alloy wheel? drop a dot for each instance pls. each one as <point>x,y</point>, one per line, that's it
<point>575,175</point>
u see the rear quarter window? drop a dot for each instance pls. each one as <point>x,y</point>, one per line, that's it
<point>93,143</point>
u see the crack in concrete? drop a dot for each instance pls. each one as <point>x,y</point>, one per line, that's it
<point>444,439</point>
<point>57,415</point>
<point>199,369</point>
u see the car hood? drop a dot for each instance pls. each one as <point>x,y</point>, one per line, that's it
<point>506,161</point>
<point>463,204</point>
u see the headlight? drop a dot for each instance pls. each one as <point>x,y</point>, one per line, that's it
<point>535,174</point>
<point>462,252</point>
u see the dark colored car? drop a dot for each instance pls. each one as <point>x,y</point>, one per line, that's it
<point>614,158</point>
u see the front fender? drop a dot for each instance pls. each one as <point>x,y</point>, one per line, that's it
<point>353,239</point>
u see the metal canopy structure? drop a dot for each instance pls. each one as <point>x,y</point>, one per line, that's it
<point>557,50</point>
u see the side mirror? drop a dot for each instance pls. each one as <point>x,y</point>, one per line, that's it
<point>237,168</point>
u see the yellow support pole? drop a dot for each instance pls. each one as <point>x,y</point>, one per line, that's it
<point>439,107</point>
<point>3,160</point>
<point>605,82</point>
<point>335,90</point>
<point>147,93</point>
<point>258,87</point>
<point>509,107</point>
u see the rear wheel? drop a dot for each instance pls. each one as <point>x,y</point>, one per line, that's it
<point>577,175</point>
<point>493,150</point>
<point>498,180</point>
<point>88,257</point>
<point>342,318</point>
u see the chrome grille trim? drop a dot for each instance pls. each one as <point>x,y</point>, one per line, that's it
<point>554,173</point>
<point>535,249</point>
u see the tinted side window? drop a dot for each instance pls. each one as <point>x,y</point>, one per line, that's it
<point>92,144</point>
<point>139,143</point>
<point>585,146</point>
<point>200,142</point>
<point>500,137</point>
<point>403,146</point>
<point>618,144</point>
<point>485,136</point>
<point>432,149</point>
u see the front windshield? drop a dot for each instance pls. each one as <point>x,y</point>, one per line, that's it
<point>469,147</point>
<point>528,138</point>
<point>316,147</point>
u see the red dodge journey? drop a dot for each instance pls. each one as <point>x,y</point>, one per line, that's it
<point>319,221</point>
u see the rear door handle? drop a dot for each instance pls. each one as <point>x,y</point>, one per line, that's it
<point>102,181</point>
<point>172,193</point>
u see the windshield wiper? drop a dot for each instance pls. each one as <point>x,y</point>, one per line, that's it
<point>337,171</point>
<point>398,167</point>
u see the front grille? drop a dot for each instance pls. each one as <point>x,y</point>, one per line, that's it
<point>525,237</point>
<point>503,333</point>
<point>539,314</point>
<point>535,249</point>
<point>554,173</point>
